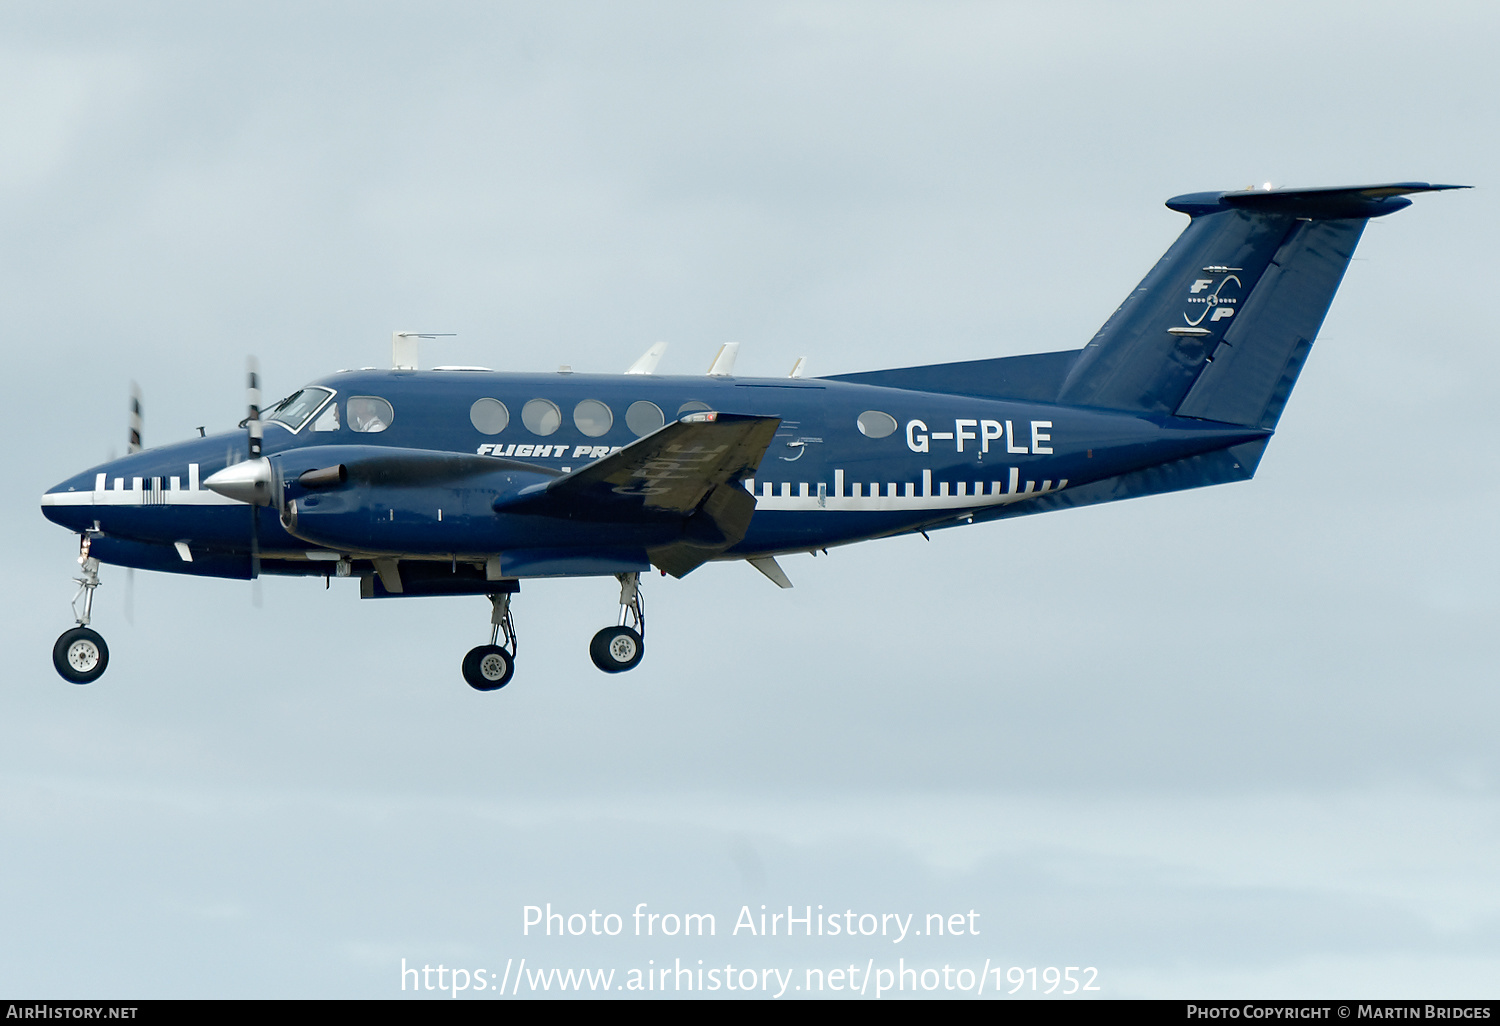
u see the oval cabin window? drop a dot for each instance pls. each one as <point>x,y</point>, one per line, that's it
<point>644,417</point>
<point>874,424</point>
<point>489,416</point>
<point>541,417</point>
<point>593,418</point>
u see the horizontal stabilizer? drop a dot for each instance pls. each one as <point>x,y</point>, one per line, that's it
<point>1326,203</point>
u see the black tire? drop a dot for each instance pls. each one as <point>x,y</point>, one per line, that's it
<point>488,668</point>
<point>80,655</point>
<point>617,649</point>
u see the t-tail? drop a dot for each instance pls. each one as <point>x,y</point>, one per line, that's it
<point>1217,332</point>
<point>1221,326</point>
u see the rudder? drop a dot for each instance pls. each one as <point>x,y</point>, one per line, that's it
<point>1252,369</point>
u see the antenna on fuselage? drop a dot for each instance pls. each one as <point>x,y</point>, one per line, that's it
<point>723,364</point>
<point>404,347</point>
<point>648,360</point>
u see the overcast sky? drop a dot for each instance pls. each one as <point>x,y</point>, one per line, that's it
<point>1234,742</point>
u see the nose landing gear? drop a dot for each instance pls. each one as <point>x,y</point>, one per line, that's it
<point>490,667</point>
<point>620,648</point>
<point>80,654</point>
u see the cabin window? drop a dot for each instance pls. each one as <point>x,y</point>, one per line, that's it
<point>541,417</point>
<point>874,424</point>
<point>692,406</point>
<point>295,409</point>
<point>489,416</point>
<point>593,417</point>
<point>368,413</point>
<point>644,418</point>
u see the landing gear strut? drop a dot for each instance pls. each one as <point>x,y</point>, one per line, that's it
<point>490,667</point>
<point>617,649</point>
<point>80,655</point>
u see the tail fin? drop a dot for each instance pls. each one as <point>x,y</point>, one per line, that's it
<point>1221,326</point>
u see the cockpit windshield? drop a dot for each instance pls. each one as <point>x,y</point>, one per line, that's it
<point>295,409</point>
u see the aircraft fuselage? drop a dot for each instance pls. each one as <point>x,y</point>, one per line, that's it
<point>940,460</point>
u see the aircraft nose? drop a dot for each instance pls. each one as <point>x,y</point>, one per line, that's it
<point>70,503</point>
<point>249,482</point>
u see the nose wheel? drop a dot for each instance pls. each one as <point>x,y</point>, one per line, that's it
<point>620,648</point>
<point>80,654</point>
<point>490,667</point>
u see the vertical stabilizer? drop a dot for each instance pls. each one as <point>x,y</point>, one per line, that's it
<point>1221,326</point>
<point>1147,355</point>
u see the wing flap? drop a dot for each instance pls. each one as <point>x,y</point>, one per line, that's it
<point>689,472</point>
<point>670,472</point>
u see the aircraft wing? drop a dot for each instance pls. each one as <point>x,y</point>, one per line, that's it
<point>688,472</point>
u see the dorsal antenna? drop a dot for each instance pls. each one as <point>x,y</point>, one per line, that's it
<point>404,347</point>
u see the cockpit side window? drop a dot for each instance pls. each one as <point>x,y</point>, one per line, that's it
<point>295,410</point>
<point>328,420</point>
<point>368,413</point>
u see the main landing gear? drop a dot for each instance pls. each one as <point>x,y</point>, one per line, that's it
<point>614,649</point>
<point>620,648</point>
<point>490,667</point>
<point>80,655</point>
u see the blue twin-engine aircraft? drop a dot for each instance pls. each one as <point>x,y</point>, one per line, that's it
<point>461,481</point>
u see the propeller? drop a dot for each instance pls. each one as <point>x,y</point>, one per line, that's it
<point>133,444</point>
<point>256,481</point>
<point>137,420</point>
<point>255,430</point>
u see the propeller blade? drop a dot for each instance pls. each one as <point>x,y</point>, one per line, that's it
<point>254,542</point>
<point>137,420</point>
<point>254,427</point>
<point>252,423</point>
